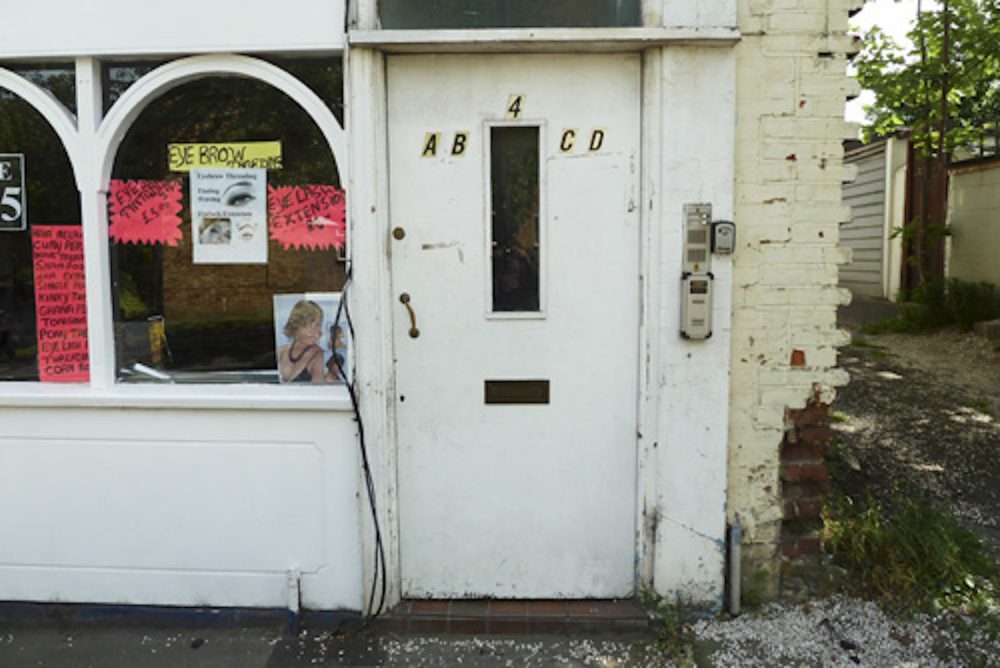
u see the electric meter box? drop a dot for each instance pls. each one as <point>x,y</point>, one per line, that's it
<point>696,305</point>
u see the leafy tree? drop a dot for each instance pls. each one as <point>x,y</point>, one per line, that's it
<point>945,89</point>
<point>949,78</point>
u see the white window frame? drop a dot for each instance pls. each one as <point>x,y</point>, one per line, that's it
<point>91,140</point>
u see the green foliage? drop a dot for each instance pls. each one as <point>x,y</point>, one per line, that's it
<point>753,595</point>
<point>916,557</point>
<point>131,304</point>
<point>936,303</point>
<point>971,302</point>
<point>908,84</point>
<point>671,620</point>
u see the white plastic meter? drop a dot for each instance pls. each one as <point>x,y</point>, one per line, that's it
<point>696,305</point>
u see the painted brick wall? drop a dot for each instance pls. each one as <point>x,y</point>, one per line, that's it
<point>791,89</point>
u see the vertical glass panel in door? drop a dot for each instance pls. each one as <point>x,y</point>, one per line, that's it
<point>444,14</point>
<point>514,219</point>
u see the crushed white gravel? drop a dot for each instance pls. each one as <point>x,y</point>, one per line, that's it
<point>836,631</point>
<point>840,631</point>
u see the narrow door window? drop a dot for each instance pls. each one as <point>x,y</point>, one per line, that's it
<point>514,226</point>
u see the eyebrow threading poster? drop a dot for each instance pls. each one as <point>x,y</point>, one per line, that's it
<point>229,216</point>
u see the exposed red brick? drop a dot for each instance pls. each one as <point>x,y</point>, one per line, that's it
<point>798,358</point>
<point>811,487</point>
<point>808,545</point>
<point>790,548</point>
<point>819,434</point>
<point>808,507</point>
<point>803,452</point>
<point>810,416</point>
<point>804,471</point>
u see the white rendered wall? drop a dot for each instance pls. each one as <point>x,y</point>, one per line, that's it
<point>179,507</point>
<point>697,93</point>
<point>108,27</point>
<point>973,206</point>
<point>895,179</point>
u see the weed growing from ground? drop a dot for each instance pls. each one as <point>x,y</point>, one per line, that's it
<point>914,557</point>
<point>671,621</point>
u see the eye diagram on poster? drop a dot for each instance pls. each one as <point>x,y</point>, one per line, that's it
<point>13,199</point>
<point>229,216</point>
<point>311,344</point>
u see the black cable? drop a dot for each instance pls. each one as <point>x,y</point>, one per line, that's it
<point>379,574</point>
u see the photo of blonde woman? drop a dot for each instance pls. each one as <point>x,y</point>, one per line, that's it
<point>310,347</point>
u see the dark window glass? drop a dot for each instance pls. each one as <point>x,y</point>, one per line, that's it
<point>50,197</point>
<point>514,235</point>
<point>118,77</point>
<point>195,322</point>
<point>57,78</point>
<point>401,14</point>
<point>323,75</point>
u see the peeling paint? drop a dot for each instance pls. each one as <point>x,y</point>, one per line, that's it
<point>446,244</point>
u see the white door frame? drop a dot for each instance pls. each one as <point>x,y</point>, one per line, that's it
<point>679,544</point>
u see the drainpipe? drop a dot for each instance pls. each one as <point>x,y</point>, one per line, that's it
<point>293,579</point>
<point>735,545</point>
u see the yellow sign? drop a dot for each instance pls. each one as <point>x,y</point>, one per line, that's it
<point>243,155</point>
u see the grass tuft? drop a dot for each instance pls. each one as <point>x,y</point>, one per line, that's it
<point>916,557</point>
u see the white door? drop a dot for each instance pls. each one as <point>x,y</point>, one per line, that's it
<point>515,249</point>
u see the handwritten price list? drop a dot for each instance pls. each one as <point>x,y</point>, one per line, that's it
<point>60,303</point>
<point>312,216</point>
<point>145,212</point>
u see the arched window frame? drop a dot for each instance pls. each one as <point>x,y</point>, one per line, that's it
<point>92,142</point>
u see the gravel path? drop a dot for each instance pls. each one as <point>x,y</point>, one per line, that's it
<point>921,419</point>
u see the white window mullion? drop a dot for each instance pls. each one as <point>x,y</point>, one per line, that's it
<point>94,212</point>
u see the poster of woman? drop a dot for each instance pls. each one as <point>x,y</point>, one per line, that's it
<point>311,344</point>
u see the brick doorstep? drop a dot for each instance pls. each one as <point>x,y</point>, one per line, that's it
<point>514,617</point>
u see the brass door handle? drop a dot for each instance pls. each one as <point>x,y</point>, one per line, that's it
<point>405,301</point>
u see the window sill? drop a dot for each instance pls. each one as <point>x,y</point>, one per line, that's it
<point>200,397</point>
<point>486,40</point>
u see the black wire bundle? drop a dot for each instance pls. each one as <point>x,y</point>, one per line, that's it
<point>379,570</point>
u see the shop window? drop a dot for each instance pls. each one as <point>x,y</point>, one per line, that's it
<point>227,240</point>
<point>57,78</point>
<point>443,14</point>
<point>38,198</point>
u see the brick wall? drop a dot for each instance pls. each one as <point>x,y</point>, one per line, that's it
<point>804,479</point>
<point>791,89</point>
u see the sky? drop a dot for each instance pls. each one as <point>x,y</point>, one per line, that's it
<point>895,17</point>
